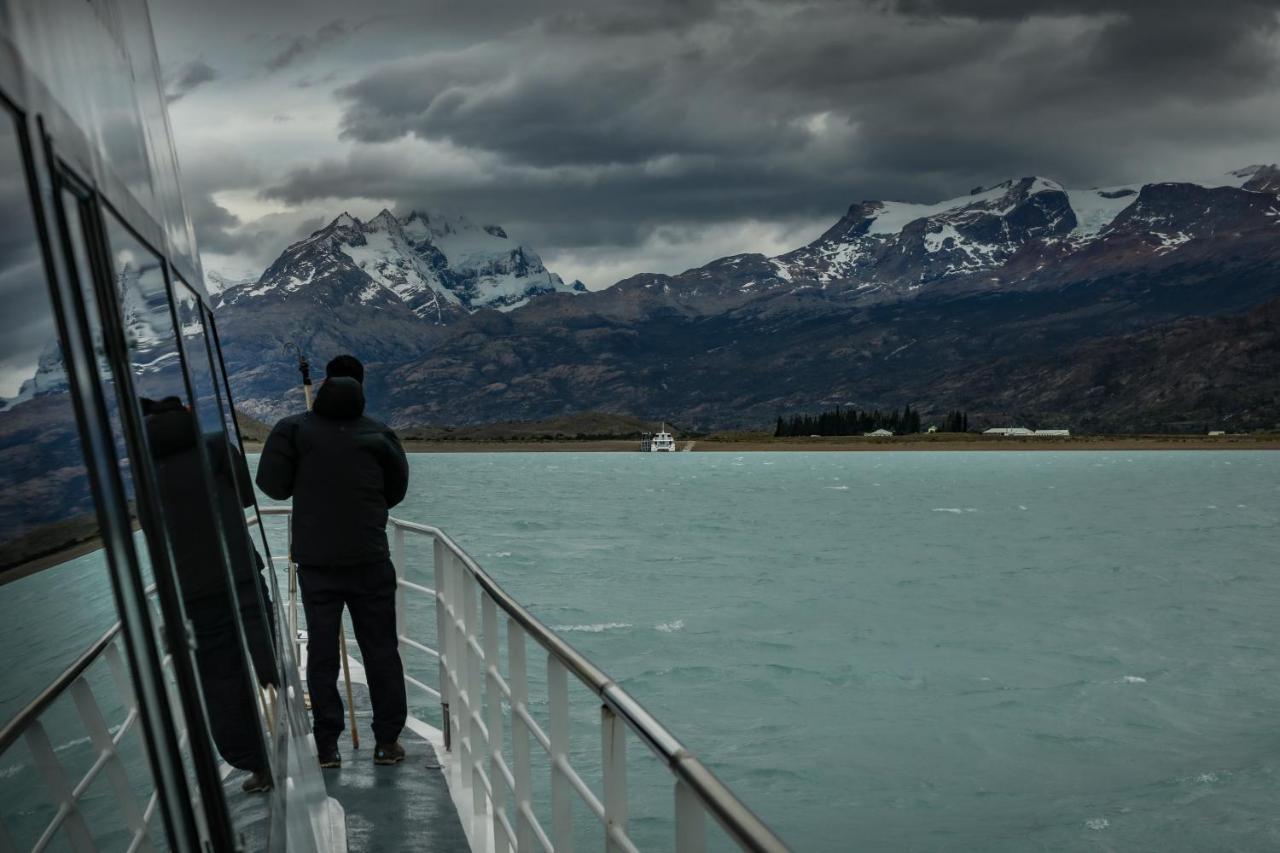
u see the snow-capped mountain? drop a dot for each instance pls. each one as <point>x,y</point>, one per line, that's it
<point>928,304</point>
<point>1000,236</point>
<point>216,282</point>
<point>438,266</point>
<point>50,376</point>
<point>902,303</point>
<point>388,290</point>
<point>1028,223</point>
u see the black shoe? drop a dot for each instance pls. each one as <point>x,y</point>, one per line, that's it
<point>388,753</point>
<point>257,783</point>
<point>330,757</point>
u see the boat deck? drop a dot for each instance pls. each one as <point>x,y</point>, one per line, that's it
<point>403,807</point>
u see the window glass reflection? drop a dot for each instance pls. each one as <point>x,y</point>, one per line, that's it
<point>96,306</point>
<point>232,484</point>
<point>47,514</point>
<point>46,506</point>
<point>196,508</point>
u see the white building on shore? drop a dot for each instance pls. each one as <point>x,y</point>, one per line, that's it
<point>1033,433</point>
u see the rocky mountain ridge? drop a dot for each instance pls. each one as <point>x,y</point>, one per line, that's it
<point>438,266</point>
<point>883,307</point>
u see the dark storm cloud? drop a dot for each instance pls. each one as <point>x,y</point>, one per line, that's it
<point>593,124</point>
<point>308,227</point>
<point>748,85</point>
<point>301,47</point>
<point>706,112</point>
<point>190,76</point>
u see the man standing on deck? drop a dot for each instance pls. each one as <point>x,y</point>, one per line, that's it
<point>344,471</point>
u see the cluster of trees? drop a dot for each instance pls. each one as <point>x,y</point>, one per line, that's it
<point>841,421</point>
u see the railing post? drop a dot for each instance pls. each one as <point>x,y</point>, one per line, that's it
<point>561,787</point>
<point>442,638</point>
<point>613,763</point>
<point>100,737</point>
<point>461,666</point>
<point>397,561</point>
<point>520,736</point>
<point>493,700</point>
<point>691,829</point>
<point>59,789</point>
<point>479,746</point>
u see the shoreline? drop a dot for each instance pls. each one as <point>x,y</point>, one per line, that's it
<point>854,444</point>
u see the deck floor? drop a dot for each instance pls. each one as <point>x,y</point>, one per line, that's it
<point>403,807</point>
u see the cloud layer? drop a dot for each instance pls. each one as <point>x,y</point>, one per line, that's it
<point>599,131</point>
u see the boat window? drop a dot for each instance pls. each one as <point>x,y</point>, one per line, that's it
<point>47,512</point>
<point>233,484</point>
<point>258,523</point>
<point>193,503</point>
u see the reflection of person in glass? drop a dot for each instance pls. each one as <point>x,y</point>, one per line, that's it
<point>344,471</point>
<point>171,432</point>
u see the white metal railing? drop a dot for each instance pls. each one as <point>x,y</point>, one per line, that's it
<point>478,703</point>
<point>64,793</point>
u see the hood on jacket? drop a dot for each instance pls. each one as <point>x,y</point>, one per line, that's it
<point>171,428</point>
<point>340,398</point>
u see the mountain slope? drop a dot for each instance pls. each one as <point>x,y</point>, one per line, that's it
<point>938,305</point>
<point>386,289</point>
<point>1038,272</point>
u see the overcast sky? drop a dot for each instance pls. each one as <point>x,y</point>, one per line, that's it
<point>625,137</point>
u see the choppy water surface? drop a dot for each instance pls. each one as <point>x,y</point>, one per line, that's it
<point>878,651</point>
<point>921,651</point>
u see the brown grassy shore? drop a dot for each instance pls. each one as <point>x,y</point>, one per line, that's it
<point>748,441</point>
<point>971,441</point>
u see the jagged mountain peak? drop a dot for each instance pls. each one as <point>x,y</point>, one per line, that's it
<point>438,265</point>
<point>1012,234</point>
<point>1261,178</point>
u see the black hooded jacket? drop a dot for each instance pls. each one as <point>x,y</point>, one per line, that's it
<point>171,434</point>
<point>343,470</point>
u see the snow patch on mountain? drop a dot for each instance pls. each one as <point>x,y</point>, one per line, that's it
<point>50,375</point>
<point>438,265</point>
<point>1098,208</point>
<point>216,281</point>
<point>905,245</point>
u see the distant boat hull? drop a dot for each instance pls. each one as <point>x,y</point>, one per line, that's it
<point>660,442</point>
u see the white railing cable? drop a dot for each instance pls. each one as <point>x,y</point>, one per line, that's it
<point>478,704</point>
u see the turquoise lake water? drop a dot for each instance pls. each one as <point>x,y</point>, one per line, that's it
<point>920,651</point>
<point>910,651</point>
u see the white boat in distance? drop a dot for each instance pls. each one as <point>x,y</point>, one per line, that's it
<point>659,442</point>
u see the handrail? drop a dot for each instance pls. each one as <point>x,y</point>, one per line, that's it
<point>66,793</point>
<point>21,721</point>
<point>742,824</point>
<point>736,817</point>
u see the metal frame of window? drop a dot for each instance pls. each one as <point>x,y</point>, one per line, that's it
<point>284,627</point>
<point>172,282</point>
<point>59,162</point>
<point>151,517</point>
<point>158,727</point>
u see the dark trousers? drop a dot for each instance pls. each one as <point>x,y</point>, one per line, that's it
<point>369,592</point>
<point>229,699</point>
